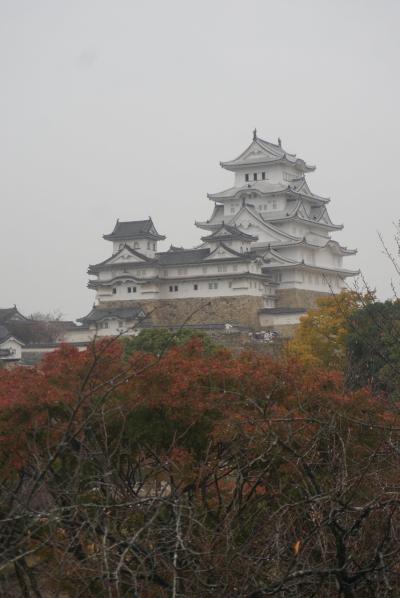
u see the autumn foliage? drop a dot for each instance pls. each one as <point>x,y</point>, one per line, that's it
<point>320,340</point>
<point>198,473</point>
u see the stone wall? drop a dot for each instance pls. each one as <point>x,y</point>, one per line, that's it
<point>298,297</point>
<point>242,310</point>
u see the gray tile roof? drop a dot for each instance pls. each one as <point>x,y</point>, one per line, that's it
<point>95,267</point>
<point>187,256</point>
<point>4,333</point>
<point>6,313</point>
<point>123,313</point>
<point>283,310</point>
<point>233,233</point>
<point>134,229</point>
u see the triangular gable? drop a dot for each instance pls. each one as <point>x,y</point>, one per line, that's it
<point>257,152</point>
<point>226,230</point>
<point>221,231</point>
<point>271,257</point>
<point>124,255</point>
<point>303,188</point>
<point>302,212</point>
<point>153,230</point>
<point>248,221</point>
<point>12,338</point>
<point>325,218</point>
<point>223,252</point>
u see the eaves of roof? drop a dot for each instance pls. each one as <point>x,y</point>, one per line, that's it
<point>145,258</point>
<point>305,266</point>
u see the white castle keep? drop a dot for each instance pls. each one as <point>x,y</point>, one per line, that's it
<point>267,247</point>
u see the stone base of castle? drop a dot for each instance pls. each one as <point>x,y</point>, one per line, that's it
<point>242,310</point>
<point>298,298</point>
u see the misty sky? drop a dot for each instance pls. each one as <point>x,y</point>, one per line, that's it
<point>123,109</point>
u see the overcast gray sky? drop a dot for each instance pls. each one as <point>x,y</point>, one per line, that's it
<point>113,108</point>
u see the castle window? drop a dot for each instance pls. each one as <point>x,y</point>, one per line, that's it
<point>133,289</point>
<point>154,246</point>
<point>232,209</point>
<point>246,178</point>
<point>204,269</point>
<point>222,268</point>
<point>176,287</point>
<point>263,176</point>
<point>148,245</point>
<point>129,289</point>
<point>255,176</point>
<point>235,267</point>
<point>136,245</point>
<point>182,271</point>
<point>195,287</point>
<point>114,291</point>
<point>105,325</point>
<point>171,289</point>
<point>213,285</point>
<point>274,204</point>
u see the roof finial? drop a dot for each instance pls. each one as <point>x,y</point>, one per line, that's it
<point>279,142</point>
<point>254,134</point>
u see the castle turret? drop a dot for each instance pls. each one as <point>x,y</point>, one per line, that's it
<point>140,235</point>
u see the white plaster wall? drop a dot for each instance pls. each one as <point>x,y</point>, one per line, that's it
<point>273,172</point>
<point>78,335</point>
<point>271,320</point>
<point>115,327</point>
<point>145,246</point>
<point>186,289</point>
<point>14,347</point>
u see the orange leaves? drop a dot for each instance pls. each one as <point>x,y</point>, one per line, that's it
<point>320,338</point>
<point>250,398</point>
<point>296,547</point>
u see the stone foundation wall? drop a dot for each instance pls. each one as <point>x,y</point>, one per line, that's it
<point>298,297</point>
<point>242,310</point>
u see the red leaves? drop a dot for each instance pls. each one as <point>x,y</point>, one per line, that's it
<point>249,395</point>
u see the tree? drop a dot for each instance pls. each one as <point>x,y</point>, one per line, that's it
<point>373,347</point>
<point>194,474</point>
<point>320,339</point>
<point>159,340</point>
<point>52,316</point>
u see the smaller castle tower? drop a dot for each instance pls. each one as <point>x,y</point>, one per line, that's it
<point>139,235</point>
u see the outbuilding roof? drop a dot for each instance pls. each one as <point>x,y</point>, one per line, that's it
<point>6,334</point>
<point>123,313</point>
<point>134,229</point>
<point>10,313</point>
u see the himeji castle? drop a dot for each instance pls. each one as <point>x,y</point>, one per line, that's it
<point>265,255</point>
